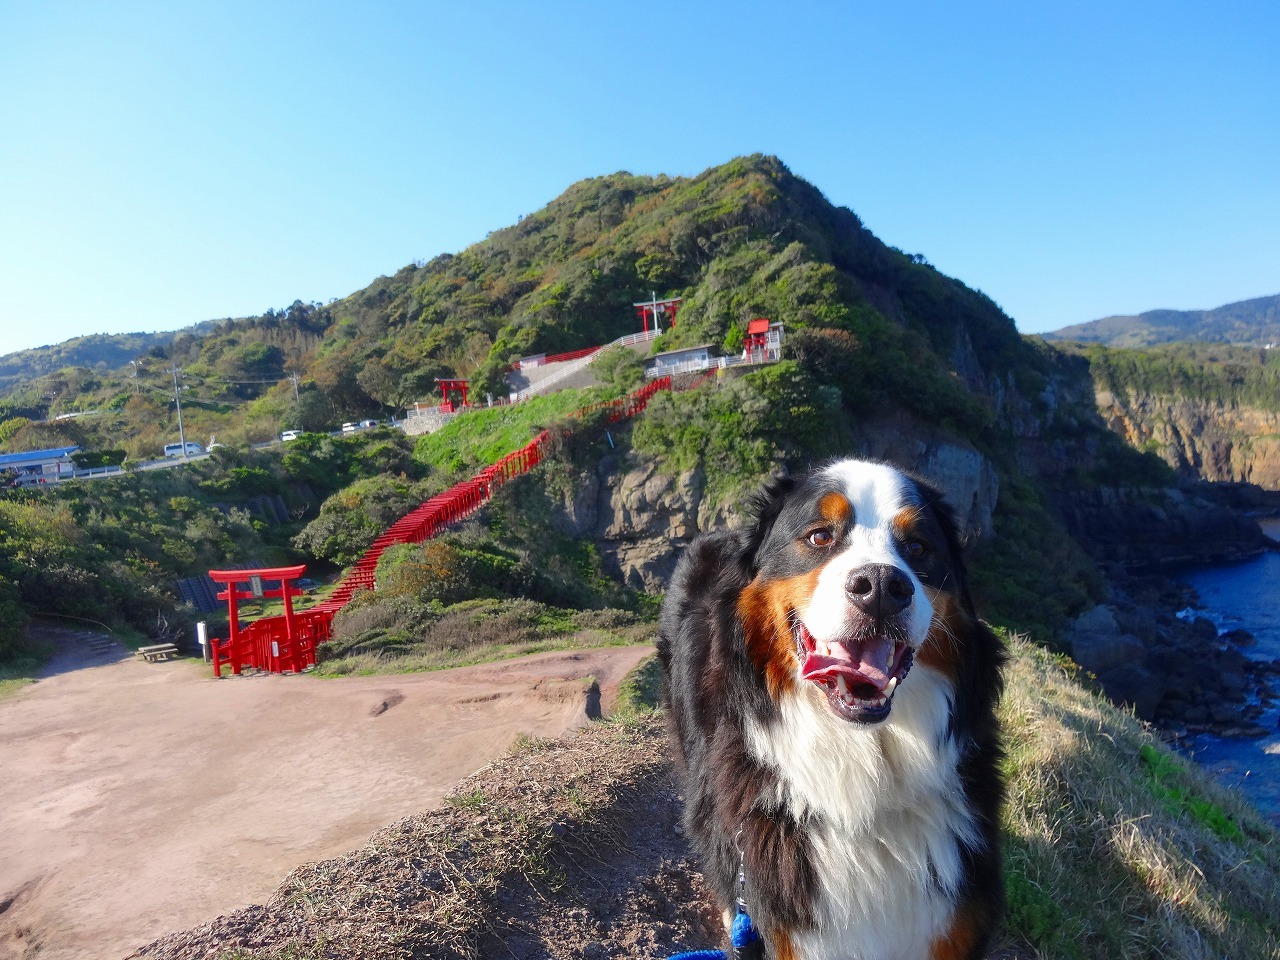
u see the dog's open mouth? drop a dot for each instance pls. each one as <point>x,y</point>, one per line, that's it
<point>858,674</point>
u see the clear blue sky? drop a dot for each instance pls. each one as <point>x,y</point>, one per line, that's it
<point>163,163</point>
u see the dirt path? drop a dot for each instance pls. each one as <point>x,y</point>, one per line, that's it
<point>137,799</point>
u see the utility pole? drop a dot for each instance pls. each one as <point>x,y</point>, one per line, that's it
<point>294,378</point>
<point>177,391</point>
<point>135,377</point>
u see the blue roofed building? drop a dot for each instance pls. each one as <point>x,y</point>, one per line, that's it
<point>33,467</point>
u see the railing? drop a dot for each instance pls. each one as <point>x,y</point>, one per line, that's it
<point>265,644</point>
<point>717,363</point>
<point>584,359</point>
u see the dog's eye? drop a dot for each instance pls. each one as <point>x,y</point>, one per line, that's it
<point>916,549</point>
<point>821,538</point>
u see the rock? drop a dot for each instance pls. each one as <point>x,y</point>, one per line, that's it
<point>1099,620</point>
<point>1098,652</point>
<point>1134,686</point>
<point>966,477</point>
<point>1238,636</point>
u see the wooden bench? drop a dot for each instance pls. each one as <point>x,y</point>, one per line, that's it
<point>158,651</point>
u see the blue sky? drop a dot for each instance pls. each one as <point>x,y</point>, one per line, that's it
<point>165,163</point>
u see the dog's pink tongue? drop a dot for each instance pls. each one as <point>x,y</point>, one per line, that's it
<point>869,661</point>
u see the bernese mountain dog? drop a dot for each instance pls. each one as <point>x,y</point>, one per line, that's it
<point>832,699</point>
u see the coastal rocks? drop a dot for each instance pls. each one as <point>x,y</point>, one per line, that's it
<point>1118,660</point>
<point>966,478</point>
<point>1180,675</point>
<point>1151,528</point>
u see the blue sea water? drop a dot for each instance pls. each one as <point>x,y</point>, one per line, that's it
<point>1246,595</point>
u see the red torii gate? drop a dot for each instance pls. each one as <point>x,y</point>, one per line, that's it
<point>284,648</point>
<point>656,308</point>
<point>446,387</point>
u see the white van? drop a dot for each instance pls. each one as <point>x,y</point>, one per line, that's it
<point>350,427</point>
<point>290,435</point>
<point>175,450</point>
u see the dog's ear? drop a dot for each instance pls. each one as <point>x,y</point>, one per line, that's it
<point>764,507</point>
<point>956,545</point>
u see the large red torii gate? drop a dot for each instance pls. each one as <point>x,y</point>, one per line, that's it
<point>288,647</point>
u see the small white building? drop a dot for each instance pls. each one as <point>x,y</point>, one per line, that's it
<point>684,360</point>
<point>33,467</point>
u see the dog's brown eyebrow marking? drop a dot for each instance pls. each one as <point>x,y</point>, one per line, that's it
<point>906,518</point>
<point>835,508</point>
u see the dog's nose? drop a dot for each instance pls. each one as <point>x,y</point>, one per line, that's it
<point>879,590</point>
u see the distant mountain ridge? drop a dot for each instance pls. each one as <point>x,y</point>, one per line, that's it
<point>1252,323</point>
<point>97,351</point>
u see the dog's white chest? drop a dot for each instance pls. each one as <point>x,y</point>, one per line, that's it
<point>888,819</point>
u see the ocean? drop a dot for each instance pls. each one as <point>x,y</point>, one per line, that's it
<point>1246,595</point>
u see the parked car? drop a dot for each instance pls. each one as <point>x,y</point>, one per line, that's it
<point>290,435</point>
<point>175,449</point>
<point>368,424</point>
<point>350,427</point>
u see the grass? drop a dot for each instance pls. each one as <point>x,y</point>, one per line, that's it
<point>640,692</point>
<point>484,436</point>
<point>1115,845</point>
<point>22,666</point>
<point>381,662</point>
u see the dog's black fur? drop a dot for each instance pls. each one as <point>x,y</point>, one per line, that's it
<point>714,688</point>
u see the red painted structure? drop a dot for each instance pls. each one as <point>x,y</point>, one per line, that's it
<point>289,642</point>
<point>571,355</point>
<point>656,308</point>
<point>452,386</point>
<point>757,337</point>
<point>285,643</point>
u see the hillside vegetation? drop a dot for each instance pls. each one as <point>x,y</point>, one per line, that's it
<point>1230,376</point>
<point>740,240</point>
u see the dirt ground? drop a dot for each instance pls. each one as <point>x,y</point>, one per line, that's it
<point>142,798</point>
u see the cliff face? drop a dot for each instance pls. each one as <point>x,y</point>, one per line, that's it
<point>1203,440</point>
<point>641,517</point>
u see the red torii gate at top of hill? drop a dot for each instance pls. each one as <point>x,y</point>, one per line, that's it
<point>656,308</point>
<point>231,651</point>
<point>447,386</point>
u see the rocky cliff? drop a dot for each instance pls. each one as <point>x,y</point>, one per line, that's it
<point>1200,439</point>
<point>641,517</point>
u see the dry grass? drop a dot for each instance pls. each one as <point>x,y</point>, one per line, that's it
<point>1101,860</point>
<point>561,850</point>
<point>569,849</point>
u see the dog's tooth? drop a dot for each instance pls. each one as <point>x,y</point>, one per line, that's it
<point>891,686</point>
<point>842,685</point>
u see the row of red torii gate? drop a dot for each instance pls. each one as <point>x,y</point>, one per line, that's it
<point>287,643</point>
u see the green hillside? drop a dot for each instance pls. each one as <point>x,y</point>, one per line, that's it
<point>1246,323</point>
<point>741,240</point>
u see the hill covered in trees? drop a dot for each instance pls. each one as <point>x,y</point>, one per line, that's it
<point>744,239</point>
<point>1246,323</point>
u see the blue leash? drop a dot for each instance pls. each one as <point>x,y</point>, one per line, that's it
<point>743,935</point>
